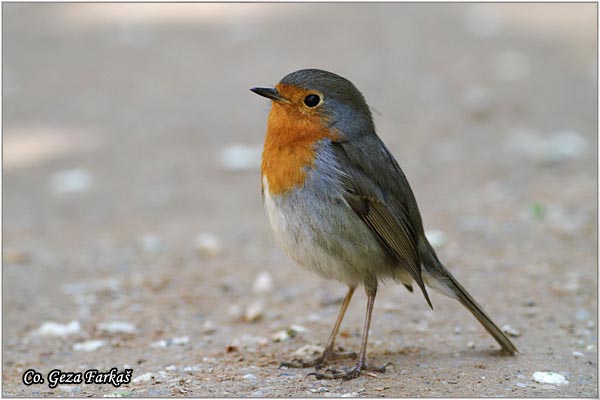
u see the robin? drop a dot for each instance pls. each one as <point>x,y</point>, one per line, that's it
<point>340,206</point>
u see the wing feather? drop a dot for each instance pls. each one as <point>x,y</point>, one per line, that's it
<point>396,233</point>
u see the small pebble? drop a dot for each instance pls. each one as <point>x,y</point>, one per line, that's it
<point>192,368</point>
<point>150,244</point>
<point>119,393</point>
<point>511,331</point>
<point>240,157</point>
<point>567,145</point>
<point>590,324</point>
<point>283,335</point>
<point>97,285</point>
<point>170,342</point>
<point>117,327</point>
<point>578,354</point>
<point>263,283</point>
<point>353,394</point>
<point>208,245</point>
<point>209,327</point>
<point>171,368</point>
<point>309,350</point>
<point>249,376</point>
<point>437,238</point>
<point>457,330</point>
<point>56,329</point>
<point>143,378</point>
<point>551,378</point>
<point>581,315</point>
<point>521,385</point>
<point>477,101</point>
<point>77,180</point>
<point>258,393</point>
<point>90,345</point>
<point>471,345</point>
<point>69,389</point>
<point>254,312</point>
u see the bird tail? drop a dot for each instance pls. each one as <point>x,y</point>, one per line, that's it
<point>440,279</point>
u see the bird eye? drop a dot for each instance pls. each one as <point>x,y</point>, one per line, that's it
<point>312,100</point>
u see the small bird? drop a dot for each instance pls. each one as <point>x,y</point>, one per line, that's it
<point>340,206</point>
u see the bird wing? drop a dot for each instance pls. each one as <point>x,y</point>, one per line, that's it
<point>385,208</point>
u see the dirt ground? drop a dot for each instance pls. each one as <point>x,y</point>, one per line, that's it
<point>133,229</point>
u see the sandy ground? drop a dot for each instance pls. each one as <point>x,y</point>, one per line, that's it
<point>119,122</point>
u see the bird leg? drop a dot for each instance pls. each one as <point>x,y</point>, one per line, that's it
<point>361,363</point>
<point>328,353</point>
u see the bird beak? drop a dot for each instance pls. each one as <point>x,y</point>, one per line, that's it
<point>270,93</point>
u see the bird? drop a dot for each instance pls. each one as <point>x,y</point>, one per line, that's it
<point>340,206</point>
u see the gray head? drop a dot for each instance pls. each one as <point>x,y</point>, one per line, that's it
<point>321,93</point>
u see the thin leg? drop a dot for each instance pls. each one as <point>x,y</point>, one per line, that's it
<point>361,363</point>
<point>328,353</point>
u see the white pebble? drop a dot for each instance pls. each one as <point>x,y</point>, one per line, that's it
<point>181,340</point>
<point>471,345</point>
<point>551,378</point>
<point>353,394</point>
<point>209,327</point>
<point>117,327</point>
<point>169,342</point>
<point>282,336</point>
<point>77,180</point>
<point>477,101</point>
<point>240,157</point>
<point>437,238</point>
<point>309,350</point>
<point>143,378</point>
<point>208,245</point>
<point>109,284</point>
<point>68,389</point>
<point>263,283</point>
<point>171,368</point>
<point>556,147</point>
<point>578,354</point>
<point>254,312</point>
<point>90,345</point>
<point>150,244</point>
<point>566,145</point>
<point>55,329</point>
<point>249,376</point>
<point>582,315</point>
<point>192,368</point>
<point>510,331</point>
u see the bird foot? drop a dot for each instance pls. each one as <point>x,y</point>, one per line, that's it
<point>318,362</point>
<point>351,373</point>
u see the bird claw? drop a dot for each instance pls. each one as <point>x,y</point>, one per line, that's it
<point>351,373</point>
<point>329,374</point>
<point>318,362</point>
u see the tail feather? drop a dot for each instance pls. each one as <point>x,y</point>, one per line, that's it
<point>439,278</point>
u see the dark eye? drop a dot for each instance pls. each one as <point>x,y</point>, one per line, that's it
<point>312,100</point>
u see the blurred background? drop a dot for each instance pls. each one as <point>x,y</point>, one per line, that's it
<point>134,234</point>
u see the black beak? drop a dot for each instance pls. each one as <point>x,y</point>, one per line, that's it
<point>270,93</point>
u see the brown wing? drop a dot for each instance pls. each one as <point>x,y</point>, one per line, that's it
<point>393,229</point>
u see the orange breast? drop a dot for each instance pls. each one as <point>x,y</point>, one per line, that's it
<point>290,147</point>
